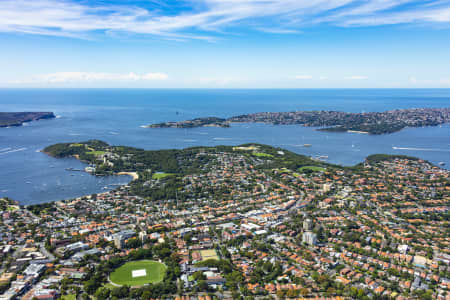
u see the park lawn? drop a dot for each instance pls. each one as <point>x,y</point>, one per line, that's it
<point>312,168</point>
<point>68,297</point>
<point>262,154</point>
<point>123,275</point>
<point>161,175</point>
<point>96,153</point>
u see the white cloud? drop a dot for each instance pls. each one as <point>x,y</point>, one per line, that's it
<point>443,82</point>
<point>197,18</point>
<point>303,77</point>
<point>356,77</point>
<point>278,30</point>
<point>76,77</point>
<point>413,80</point>
<point>323,78</point>
<point>212,81</point>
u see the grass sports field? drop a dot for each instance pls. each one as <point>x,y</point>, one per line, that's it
<point>312,168</point>
<point>209,254</point>
<point>261,154</point>
<point>161,175</point>
<point>136,273</point>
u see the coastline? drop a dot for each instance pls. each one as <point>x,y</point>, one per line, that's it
<point>358,131</point>
<point>134,175</point>
<point>23,118</point>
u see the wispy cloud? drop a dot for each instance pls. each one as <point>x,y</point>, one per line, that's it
<point>443,82</point>
<point>303,77</point>
<point>85,77</point>
<point>278,30</point>
<point>197,19</point>
<point>356,77</point>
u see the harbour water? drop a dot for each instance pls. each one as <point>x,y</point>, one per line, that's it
<point>116,116</point>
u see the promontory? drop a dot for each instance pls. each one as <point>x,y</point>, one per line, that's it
<point>8,119</point>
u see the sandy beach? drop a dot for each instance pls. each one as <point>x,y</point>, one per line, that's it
<point>132,174</point>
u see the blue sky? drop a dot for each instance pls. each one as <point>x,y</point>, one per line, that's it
<point>225,43</point>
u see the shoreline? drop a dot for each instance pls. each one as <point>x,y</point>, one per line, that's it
<point>134,175</point>
<point>358,131</point>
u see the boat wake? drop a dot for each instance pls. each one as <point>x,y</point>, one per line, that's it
<point>12,151</point>
<point>222,139</point>
<point>421,149</point>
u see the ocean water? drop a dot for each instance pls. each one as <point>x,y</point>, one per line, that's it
<point>116,116</point>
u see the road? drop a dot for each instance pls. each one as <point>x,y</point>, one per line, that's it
<point>45,252</point>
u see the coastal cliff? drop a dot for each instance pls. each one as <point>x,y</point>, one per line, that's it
<point>8,119</point>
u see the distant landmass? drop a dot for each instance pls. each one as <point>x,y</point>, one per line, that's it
<point>18,118</point>
<point>333,121</point>
<point>199,122</point>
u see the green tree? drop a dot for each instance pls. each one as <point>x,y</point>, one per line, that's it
<point>102,293</point>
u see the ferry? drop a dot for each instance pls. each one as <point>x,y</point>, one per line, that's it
<point>73,169</point>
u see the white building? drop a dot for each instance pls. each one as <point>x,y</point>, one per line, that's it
<point>307,224</point>
<point>309,238</point>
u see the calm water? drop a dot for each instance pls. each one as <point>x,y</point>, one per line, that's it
<point>115,116</point>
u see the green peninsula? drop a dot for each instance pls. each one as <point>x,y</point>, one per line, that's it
<point>105,159</point>
<point>170,166</point>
